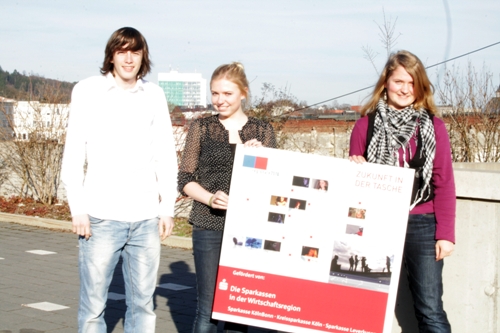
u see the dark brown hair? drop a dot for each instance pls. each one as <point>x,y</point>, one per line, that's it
<point>126,39</point>
<point>423,88</point>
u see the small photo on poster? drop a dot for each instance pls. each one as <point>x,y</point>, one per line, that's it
<point>357,213</point>
<point>297,204</point>
<point>272,245</point>
<point>279,201</point>
<point>363,267</point>
<point>276,217</point>
<point>301,181</point>
<point>310,252</point>
<point>238,241</point>
<point>352,229</point>
<point>320,184</point>
<point>253,243</point>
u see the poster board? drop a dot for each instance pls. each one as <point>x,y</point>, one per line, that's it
<point>301,257</point>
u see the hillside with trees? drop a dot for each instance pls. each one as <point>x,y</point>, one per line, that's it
<point>29,87</point>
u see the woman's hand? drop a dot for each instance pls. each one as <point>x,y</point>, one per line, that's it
<point>357,158</point>
<point>219,200</point>
<point>444,248</point>
<point>253,143</point>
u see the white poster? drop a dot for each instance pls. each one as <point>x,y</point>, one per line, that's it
<point>312,243</point>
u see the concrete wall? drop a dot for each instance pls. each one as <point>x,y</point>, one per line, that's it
<point>472,273</point>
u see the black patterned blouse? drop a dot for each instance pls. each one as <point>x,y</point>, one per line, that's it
<point>207,159</point>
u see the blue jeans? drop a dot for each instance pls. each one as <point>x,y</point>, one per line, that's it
<point>425,273</point>
<point>206,249</point>
<point>139,245</point>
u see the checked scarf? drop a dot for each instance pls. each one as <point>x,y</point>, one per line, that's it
<point>393,130</point>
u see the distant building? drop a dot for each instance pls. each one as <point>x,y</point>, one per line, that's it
<point>356,108</point>
<point>493,105</point>
<point>184,89</point>
<point>25,120</point>
<point>445,110</point>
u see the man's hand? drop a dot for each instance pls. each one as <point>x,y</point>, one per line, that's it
<point>81,226</point>
<point>444,248</point>
<point>165,226</point>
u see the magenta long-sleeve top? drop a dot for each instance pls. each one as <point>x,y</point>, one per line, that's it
<point>444,203</point>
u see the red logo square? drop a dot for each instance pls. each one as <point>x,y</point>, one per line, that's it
<point>261,163</point>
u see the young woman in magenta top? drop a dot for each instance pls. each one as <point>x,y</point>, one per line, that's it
<point>399,127</point>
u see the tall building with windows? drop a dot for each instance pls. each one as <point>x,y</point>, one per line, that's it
<point>184,89</point>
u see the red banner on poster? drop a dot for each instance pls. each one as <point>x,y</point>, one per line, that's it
<point>302,303</point>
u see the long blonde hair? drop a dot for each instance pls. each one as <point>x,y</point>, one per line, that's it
<point>423,88</point>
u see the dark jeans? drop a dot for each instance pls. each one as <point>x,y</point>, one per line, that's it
<point>425,273</point>
<point>206,249</point>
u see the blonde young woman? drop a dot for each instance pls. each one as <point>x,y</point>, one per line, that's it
<point>400,128</point>
<point>205,175</point>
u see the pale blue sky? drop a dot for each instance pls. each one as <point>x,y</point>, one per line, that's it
<point>313,47</point>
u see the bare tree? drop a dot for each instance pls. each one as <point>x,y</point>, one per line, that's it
<point>473,113</point>
<point>370,55</point>
<point>33,135</point>
<point>388,38</point>
<point>386,34</point>
<point>275,106</point>
<point>280,108</point>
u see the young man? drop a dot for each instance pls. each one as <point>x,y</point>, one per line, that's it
<point>120,173</point>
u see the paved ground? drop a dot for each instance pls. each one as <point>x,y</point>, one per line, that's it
<point>39,290</point>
